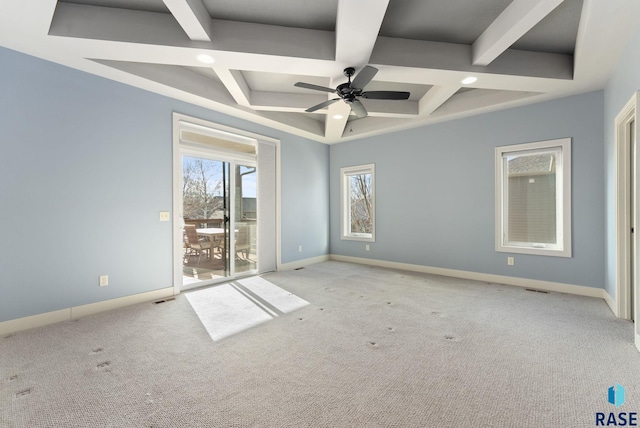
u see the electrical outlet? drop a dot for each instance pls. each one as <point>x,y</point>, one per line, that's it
<point>299,248</point>
<point>104,280</point>
<point>366,247</point>
<point>511,261</point>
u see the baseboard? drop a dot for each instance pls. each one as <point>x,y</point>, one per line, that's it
<point>120,302</point>
<point>612,303</point>
<point>33,321</point>
<point>499,279</point>
<point>302,263</point>
<point>39,320</point>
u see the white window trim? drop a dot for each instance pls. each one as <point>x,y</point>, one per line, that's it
<point>345,218</point>
<point>563,248</point>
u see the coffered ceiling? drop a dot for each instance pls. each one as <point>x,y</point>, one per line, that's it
<point>519,51</point>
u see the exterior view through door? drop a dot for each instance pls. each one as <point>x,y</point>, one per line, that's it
<point>219,228</point>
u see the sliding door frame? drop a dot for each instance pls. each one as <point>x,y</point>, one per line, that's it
<point>180,147</point>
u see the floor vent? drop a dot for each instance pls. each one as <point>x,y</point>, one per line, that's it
<point>537,291</point>
<point>164,300</point>
<point>300,268</point>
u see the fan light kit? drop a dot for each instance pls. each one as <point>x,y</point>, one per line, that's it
<point>205,59</point>
<point>469,80</point>
<point>350,92</point>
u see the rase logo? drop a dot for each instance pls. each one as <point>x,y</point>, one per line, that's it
<point>616,397</point>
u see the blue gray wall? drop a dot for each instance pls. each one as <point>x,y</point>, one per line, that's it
<point>86,167</point>
<point>435,191</point>
<point>305,218</point>
<point>621,87</point>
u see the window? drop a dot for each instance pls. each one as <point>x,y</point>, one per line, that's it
<point>358,203</point>
<point>533,198</point>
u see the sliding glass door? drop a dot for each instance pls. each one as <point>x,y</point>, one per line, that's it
<point>205,201</point>
<point>219,225</point>
<point>221,228</point>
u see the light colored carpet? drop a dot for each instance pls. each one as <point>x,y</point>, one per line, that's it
<point>374,348</point>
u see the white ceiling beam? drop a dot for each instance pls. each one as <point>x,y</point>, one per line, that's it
<point>356,36</point>
<point>434,98</point>
<point>235,84</point>
<point>513,23</point>
<point>334,128</point>
<point>192,17</point>
<point>335,121</point>
<point>186,56</point>
<point>355,40</point>
<point>406,71</point>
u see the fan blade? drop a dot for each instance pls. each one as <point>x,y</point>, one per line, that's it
<point>358,109</point>
<point>364,77</point>
<point>314,87</point>
<point>321,105</point>
<point>386,95</point>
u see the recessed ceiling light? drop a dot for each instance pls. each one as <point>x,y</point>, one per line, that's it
<point>469,80</point>
<point>205,59</point>
<point>337,116</point>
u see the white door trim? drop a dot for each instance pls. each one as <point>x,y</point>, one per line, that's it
<point>624,239</point>
<point>623,205</point>
<point>180,122</point>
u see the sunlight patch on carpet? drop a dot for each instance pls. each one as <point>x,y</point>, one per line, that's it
<point>230,308</point>
<point>281,299</point>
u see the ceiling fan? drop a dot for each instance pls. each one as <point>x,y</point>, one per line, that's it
<point>350,92</point>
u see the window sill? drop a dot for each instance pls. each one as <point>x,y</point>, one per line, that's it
<point>536,251</point>
<point>361,238</point>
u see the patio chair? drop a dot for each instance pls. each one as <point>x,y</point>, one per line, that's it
<point>194,244</point>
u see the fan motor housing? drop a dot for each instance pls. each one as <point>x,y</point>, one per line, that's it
<point>344,88</point>
<point>347,92</point>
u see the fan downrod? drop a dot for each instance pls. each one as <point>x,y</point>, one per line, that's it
<point>349,71</point>
<point>345,91</point>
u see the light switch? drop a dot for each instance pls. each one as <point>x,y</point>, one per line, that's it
<point>165,216</point>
